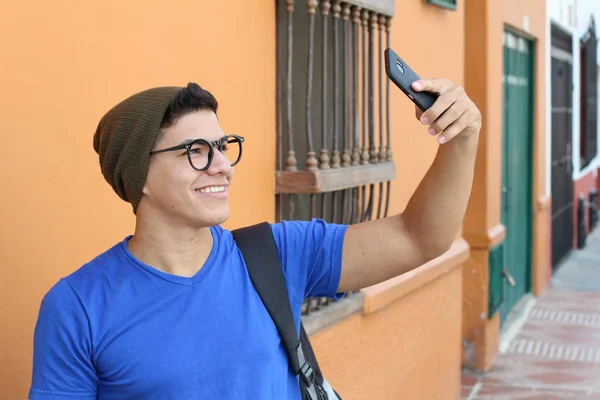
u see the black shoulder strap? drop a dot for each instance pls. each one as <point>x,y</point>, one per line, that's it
<point>262,260</point>
<point>260,253</point>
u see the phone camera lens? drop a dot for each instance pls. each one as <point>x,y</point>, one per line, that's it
<point>399,66</point>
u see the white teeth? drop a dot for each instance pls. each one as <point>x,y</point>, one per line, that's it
<point>212,189</point>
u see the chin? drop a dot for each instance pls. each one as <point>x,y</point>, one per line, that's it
<point>216,217</point>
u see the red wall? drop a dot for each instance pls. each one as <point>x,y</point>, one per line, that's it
<point>582,186</point>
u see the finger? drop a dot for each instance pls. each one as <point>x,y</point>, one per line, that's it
<point>432,85</point>
<point>456,127</point>
<point>418,112</point>
<point>453,113</point>
<point>442,103</point>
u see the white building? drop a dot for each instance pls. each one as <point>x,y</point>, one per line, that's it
<point>572,122</point>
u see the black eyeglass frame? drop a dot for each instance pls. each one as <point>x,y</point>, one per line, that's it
<point>211,152</point>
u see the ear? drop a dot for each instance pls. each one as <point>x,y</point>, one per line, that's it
<point>145,189</point>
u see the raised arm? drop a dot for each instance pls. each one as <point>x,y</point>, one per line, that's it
<point>378,250</point>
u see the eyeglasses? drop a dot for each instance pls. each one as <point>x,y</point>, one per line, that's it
<point>201,152</point>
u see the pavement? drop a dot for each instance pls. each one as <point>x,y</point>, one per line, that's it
<point>552,349</point>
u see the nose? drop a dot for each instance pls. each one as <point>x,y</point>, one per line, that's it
<point>220,164</point>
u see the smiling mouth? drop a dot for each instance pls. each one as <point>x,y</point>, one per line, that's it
<point>212,189</point>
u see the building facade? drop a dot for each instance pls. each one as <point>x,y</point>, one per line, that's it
<point>326,136</point>
<point>573,123</point>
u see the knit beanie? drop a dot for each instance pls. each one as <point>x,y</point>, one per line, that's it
<point>125,136</point>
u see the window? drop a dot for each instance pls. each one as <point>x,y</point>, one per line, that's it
<point>334,156</point>
<point>589,97</point>
<point>449,4</point>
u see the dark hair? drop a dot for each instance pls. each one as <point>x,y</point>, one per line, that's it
<point>189,99</point>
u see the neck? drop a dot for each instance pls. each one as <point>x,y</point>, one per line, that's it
<point>177,250</point>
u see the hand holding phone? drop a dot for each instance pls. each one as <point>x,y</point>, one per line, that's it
<point>443,105</point>
<point>403,76</point>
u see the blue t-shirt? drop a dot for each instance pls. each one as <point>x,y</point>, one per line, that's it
<point>119,329</point>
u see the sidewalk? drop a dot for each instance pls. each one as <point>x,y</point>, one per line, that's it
<point>556,353</point>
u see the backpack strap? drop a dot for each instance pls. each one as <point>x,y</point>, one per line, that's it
<point>260,253</point>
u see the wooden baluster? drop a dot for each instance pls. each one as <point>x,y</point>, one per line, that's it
<point>389,154</point>
<point>325,133</point>
<point>372,150</point>
<point>355,119</point>
<point>324,156</point>
<point>311,161</point>
<point>290,162</point>
<point>382,152</point>
<point>346,138</point>
<point>381,72</point>
<point>365,153</point>
<point>335,160</point>
<point>345,117</point>
<point>354,116</point>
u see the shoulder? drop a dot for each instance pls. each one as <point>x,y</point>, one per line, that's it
<point>86,278</point>
<point>59,296</point>
<point>293,237</point>
<point>107,262</point>
<point>311,254</point>
<point>296,232</point>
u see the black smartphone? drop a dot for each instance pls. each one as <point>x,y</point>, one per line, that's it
<point>403,76</point>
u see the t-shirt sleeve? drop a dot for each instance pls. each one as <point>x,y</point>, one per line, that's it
<point>62,349</point>
<point>311,255</point>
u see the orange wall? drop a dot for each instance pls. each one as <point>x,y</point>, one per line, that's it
<point>483,79</point>
<point>63,65</point>
<point>438,52</point>
<point>407,350</point>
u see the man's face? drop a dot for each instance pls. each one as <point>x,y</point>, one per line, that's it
<point>174,190</point>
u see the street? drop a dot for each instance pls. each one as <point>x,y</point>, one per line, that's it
<point>555,353</point>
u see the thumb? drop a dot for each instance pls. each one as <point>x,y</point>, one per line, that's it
<point>431,85</point>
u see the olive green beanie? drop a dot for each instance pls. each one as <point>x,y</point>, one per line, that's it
<point>125,136</point>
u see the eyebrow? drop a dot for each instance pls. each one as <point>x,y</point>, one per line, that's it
<point>186,141</point>
<point>189,140</point>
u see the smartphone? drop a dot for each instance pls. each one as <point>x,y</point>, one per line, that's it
<point>403,76</point>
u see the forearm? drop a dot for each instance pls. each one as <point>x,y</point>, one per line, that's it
<point>434,213</point>
<point>377,250</point>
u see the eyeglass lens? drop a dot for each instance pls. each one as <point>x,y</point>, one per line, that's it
<point>200,152</point>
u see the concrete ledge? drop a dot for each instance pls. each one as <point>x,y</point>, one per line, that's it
<point>380,295</point>
<point>487,239</point>
<point>333,313</point>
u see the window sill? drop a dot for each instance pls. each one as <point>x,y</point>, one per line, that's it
<point>590,167</point>
<point>333,313</point>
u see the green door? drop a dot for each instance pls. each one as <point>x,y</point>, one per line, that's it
<point>517,168</point>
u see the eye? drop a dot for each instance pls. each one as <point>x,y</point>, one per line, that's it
<point>199,149</point>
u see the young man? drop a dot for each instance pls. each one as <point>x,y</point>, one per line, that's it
<point>170,312</point>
